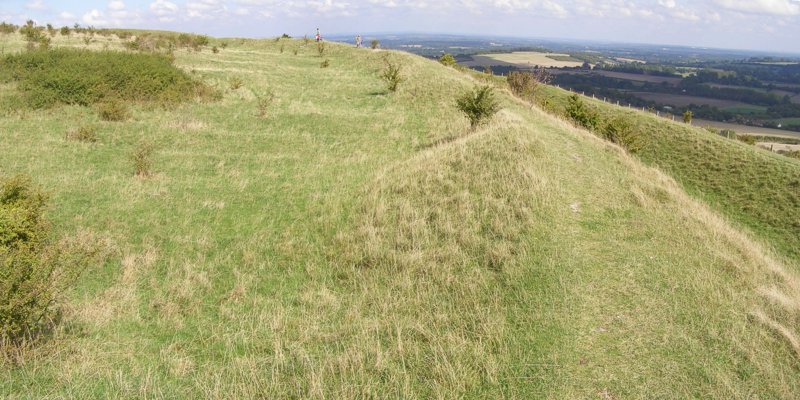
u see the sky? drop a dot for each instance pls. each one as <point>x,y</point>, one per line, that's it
<point>769,25</point>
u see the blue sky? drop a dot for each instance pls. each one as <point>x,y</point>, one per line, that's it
<point>772,25</point>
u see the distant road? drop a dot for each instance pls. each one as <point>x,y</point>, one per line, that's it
<point>747,130</point>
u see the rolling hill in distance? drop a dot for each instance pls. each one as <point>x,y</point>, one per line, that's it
<point>284,225</point>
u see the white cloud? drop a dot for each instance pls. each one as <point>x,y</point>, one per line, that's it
<point>95,18</point>
<point>37,5</point>
<point>115,14</point>
<point>772,7</point>
<point>667,3</point>
<point>164,10</point>
<point>205,8</point>
<point>116,6</point>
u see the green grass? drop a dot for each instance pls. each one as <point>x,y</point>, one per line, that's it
<point>356,243</point>
<point>755,188</point>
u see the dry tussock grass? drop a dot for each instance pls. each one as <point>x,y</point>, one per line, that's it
<point>121,300</point>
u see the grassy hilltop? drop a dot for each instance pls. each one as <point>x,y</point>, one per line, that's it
<point>357,243</point>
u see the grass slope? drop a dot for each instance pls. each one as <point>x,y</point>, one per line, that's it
<point>361,244</point>
<point>756,188</point>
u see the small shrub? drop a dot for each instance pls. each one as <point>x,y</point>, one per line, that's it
<point>133,45</point>
<point>325,64</point>
<point>285,36</point>
<point>525,84</point>
<point>44,42</point>
<point>87,40</point>
<point>375,44</point>
<point>113,110</point>
<point>391,75</point>
<point>199,41</point>
<point>264,103</point>
<point>478,105</point>
<point>7,29</point>
<point>142,159</point>
<point>582,114</point>
<point>215,50</point>
<point>86,133</point>
<point>35,271</point>
<point>620,131</point>
<point>321,48</point>
<point>195,42</point>
<point>687,116</point>
<point>34,36</point>
<point>447,60</point>
<point>281,48</point>
<point>751,140</point>
<point>295,51</point>
<point>29,31</point>
<point>236,83</point>
<point>728,133</point>
<point>184,40</point>
<point>224,45</point>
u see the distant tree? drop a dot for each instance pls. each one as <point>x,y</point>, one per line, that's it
<point>374,44</point>
<point>687,116</point>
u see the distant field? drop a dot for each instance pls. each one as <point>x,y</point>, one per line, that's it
<point>778,63</point>
<point>630,60</point>
<point>559,57</point>
<point>638,77</point>
<point>788,121</point>
<point>683,101</point>
<point>529,58</point>
<point>749,109</point>
<point>746,130</point>
<point>795,98</point>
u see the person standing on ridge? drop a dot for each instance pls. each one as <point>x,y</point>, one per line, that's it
<point>318,37</point>
<point>358,41</point>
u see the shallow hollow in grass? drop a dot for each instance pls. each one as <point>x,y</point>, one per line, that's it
<point>83,77</point>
